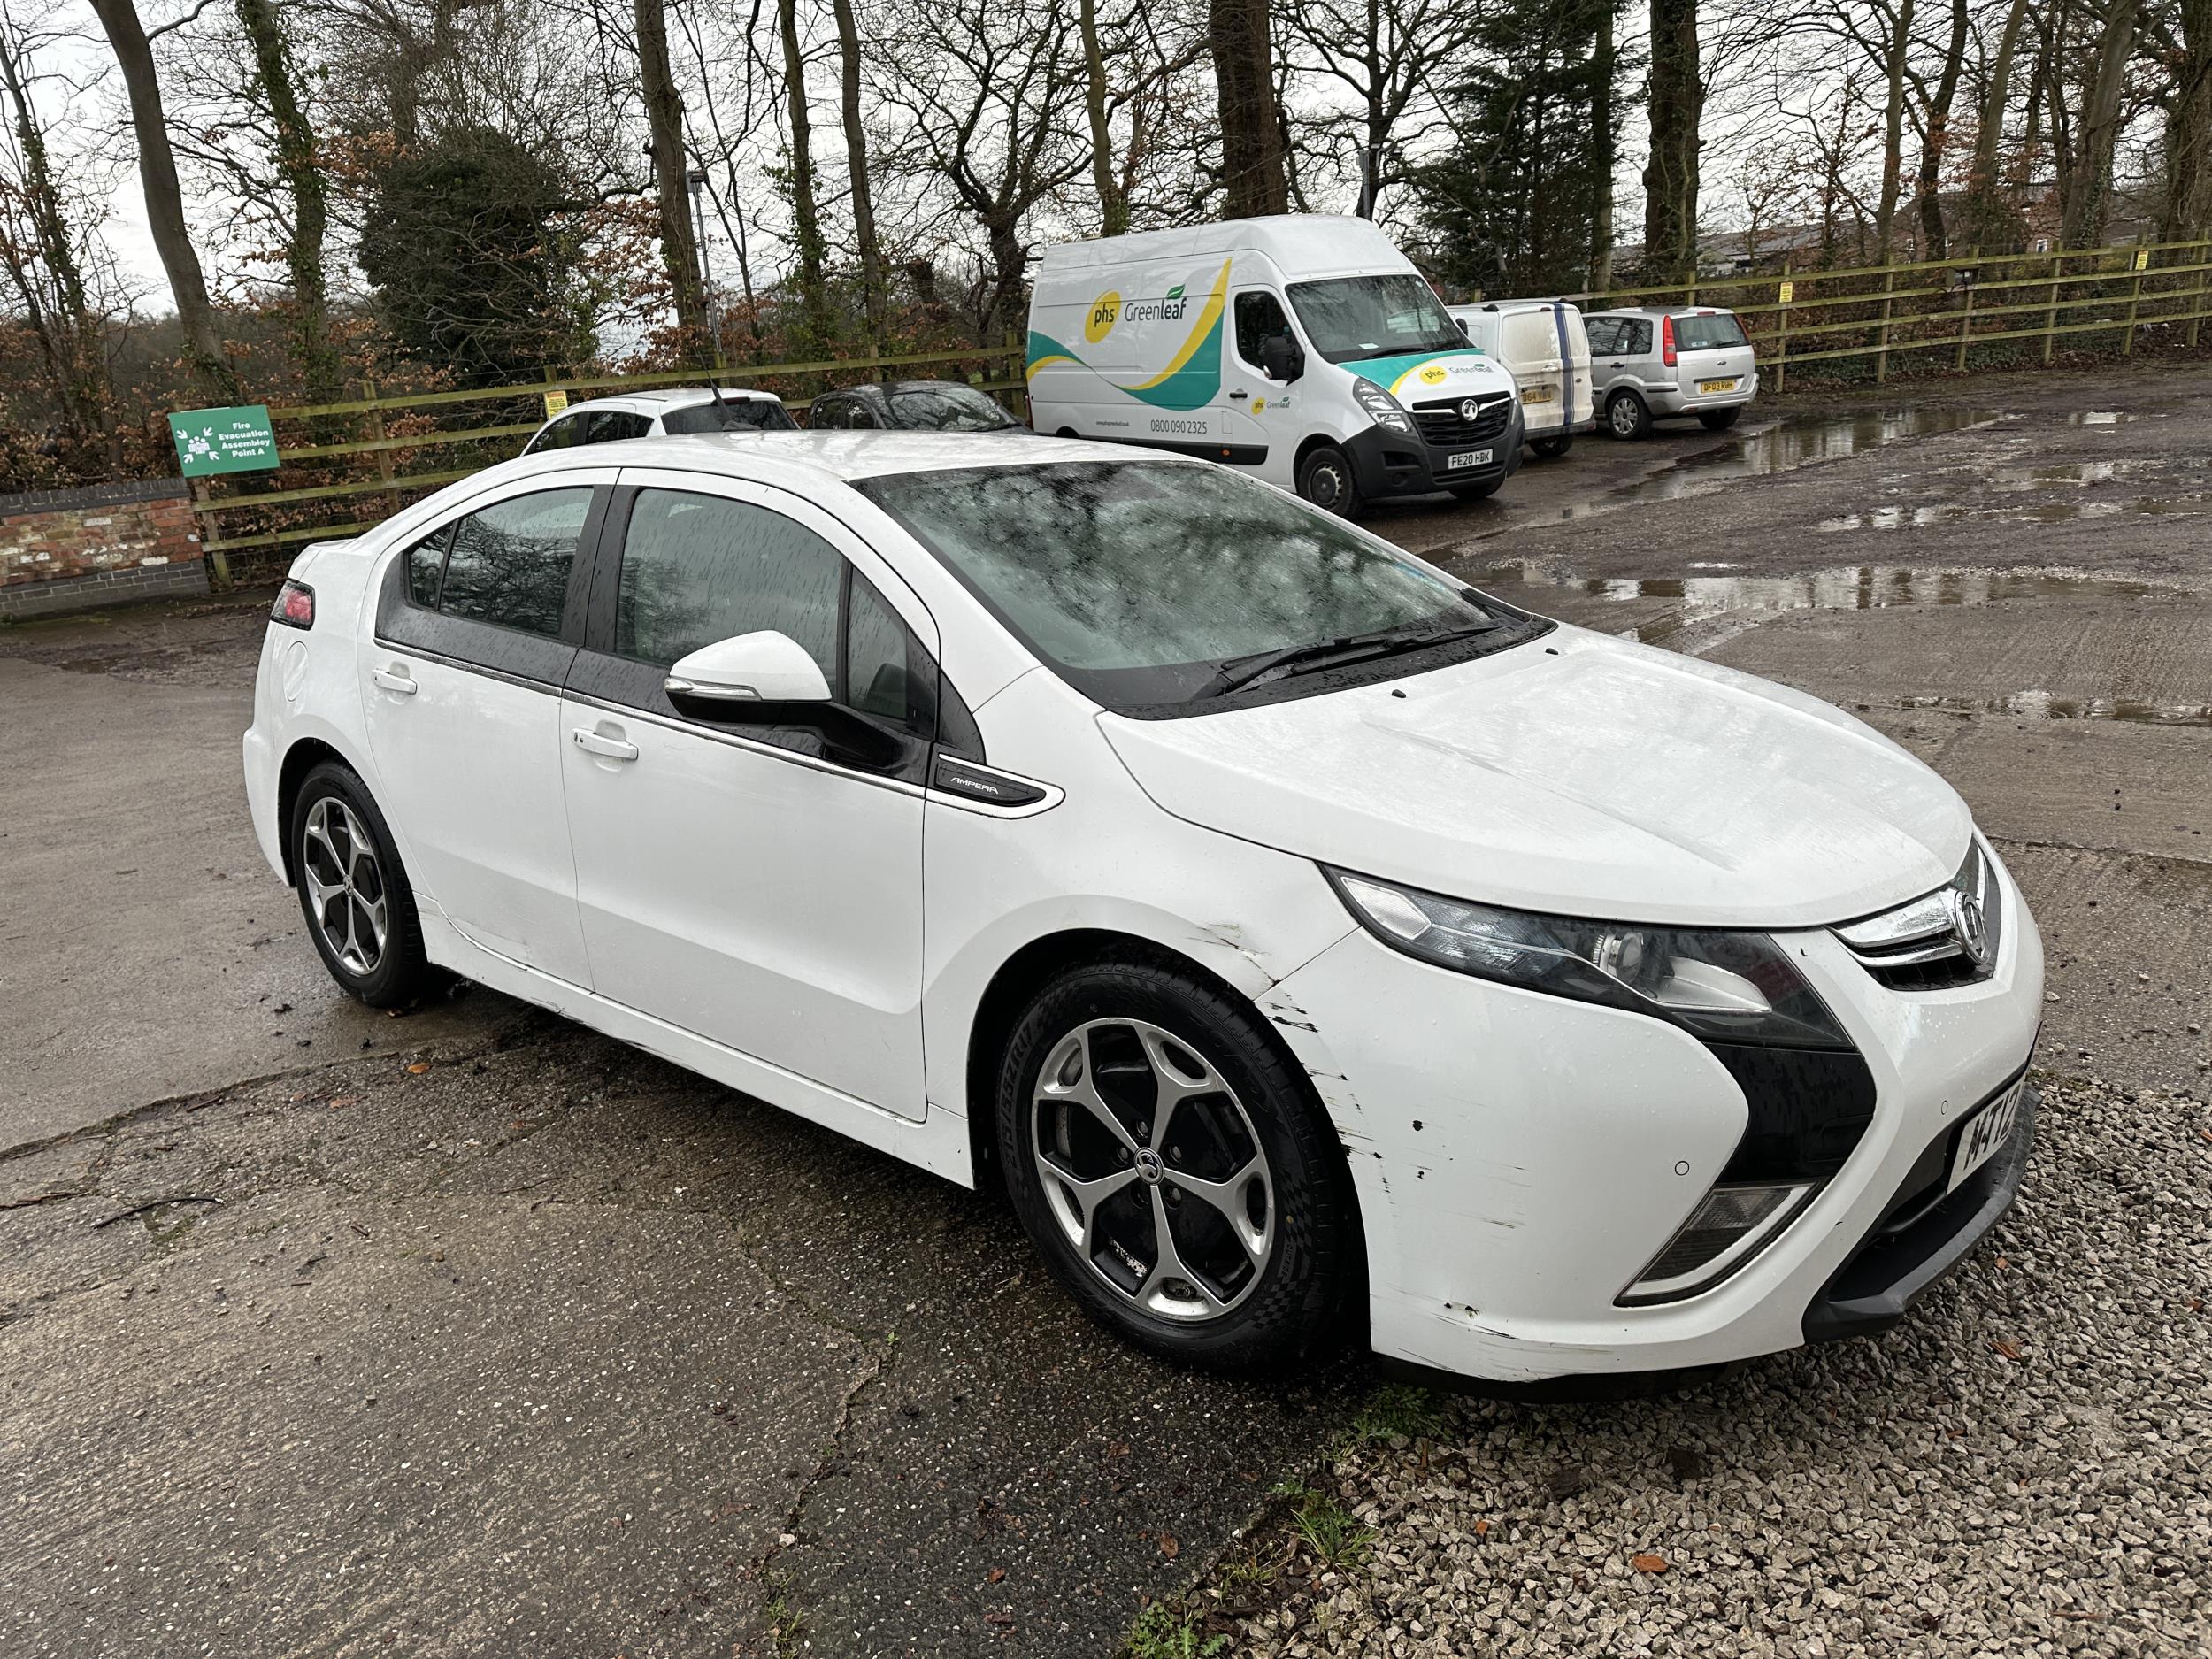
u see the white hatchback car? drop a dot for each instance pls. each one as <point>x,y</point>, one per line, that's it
<point>669,413</point>
<point>1317,948</point>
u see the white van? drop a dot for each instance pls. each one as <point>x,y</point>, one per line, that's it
<point>1543,344</point>
<point>1303,347</point>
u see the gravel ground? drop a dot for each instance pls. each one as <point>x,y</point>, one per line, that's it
<point>2024,1467</point>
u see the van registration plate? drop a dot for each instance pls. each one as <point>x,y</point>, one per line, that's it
<point>1983,1133</point>
<point>1467,457</point>
<point>1728,385</point>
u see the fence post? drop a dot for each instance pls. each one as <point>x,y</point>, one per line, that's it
<point>1881,356</point>
<point>1966,322</point>
<point>2196,300</point>
<point>1782,345</point>
<point>2135,299</point>
<point>217,562</point>
<point>383,456</point>
<point>2050,315</point>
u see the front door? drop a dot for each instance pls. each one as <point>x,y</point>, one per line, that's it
<point>759,885</point>
<point>477,624</point>
<point>1264,417</point>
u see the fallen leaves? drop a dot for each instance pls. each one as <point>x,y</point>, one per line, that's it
<point>1648,1563</point>
<point>418,1068</point>
<point>2007,1347</point>
<point>1170,1546</point>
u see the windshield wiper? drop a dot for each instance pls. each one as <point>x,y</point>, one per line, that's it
<point>1239,672</point>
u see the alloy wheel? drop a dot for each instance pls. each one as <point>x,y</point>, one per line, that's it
<point>1151,1164</point>
<point>345,885</point>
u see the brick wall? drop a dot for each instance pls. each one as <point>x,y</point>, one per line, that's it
<point>71,549</point>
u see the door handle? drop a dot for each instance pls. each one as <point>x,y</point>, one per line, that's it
<point>1239,396</point>
<point>395,680</point>
<point>598,743</point>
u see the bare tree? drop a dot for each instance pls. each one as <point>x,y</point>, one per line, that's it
<point>806,222</point>
<point>2089,201</point>
<point>1990,219</point>
<point>299,163</point>
<point>1935,131</point>
<point>1254,180</point>
<point>1677,108</point>
<point>2188,130</point>
<point>863,208</point>
<point>671,175</point>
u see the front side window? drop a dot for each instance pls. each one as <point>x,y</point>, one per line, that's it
<point>1259,319</point>
<point>1708,331</point>
<point>732,414</point>
<point>509,563</point>
<point>1158,585</point>
<point>949,409</point>
<point>696,569</point>
<point>1349,318</point>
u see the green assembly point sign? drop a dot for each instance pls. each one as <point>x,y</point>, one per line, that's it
<point>210,440</point>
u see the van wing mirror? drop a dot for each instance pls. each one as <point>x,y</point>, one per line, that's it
<point>1280,358</point>
<point>732,678</point>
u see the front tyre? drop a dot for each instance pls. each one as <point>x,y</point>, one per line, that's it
<point>1552,448</point>
<point>1325,479</point>
<point>354,892</point>
<point>1172,1166</point>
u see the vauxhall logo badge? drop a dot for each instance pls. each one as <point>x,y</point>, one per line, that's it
<point>1469,409</point>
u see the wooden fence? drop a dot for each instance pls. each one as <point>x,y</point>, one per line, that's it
<point>2008,310</point>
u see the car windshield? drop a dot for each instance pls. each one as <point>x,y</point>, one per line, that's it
<point>1351,318</point>
<point>1155,586</point>
<point>732,414</point>
<point>949,409</point>
<point>1708,331</point>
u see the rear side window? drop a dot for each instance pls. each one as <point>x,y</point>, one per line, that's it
<point>1635,337</point>
<point>563,434</point>
<point>1708,331</point>
<point>607,426</point>
<point>509,563</point>
<point>735,414</point>
<point>696,569</point>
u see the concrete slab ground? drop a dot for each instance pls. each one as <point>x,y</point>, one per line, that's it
<point>473,1332</point>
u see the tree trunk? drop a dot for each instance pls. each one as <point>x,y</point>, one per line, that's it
<point>2091,199</point>
<point>1934,243</point>
<point>806,222</point>
<point>871,251</point>
<point>2188,213</point>
<point>672,180</point>
<point>1113,201</point>
<point>1893,63</point>
<point>1604,144</point>
<point>322,371</point>
<point>1990,219</point>
<point>164,198</point>
<point>1252,171</point>
<point>1678,109</point>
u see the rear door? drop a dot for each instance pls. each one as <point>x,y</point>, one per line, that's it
<point>476,624</point>
<point>1712,356</point>
<point>756,885</point>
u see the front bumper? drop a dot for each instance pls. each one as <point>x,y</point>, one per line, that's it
<point>1520,1158</point>
<point>1388,463</point>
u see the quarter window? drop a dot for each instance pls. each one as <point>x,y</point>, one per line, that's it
<point>510,562</point>
<point>563,434</point>
<point>426,565</point>
<point>1638,334</point>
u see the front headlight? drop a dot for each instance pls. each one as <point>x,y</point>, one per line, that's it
<point>1722,986</point>
<point>1381,407</point>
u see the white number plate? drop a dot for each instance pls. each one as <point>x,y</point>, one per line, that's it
<point>1984,1132</point>
<point>1467,457</point>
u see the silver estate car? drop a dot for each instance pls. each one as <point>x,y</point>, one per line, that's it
<point>1651,365</point>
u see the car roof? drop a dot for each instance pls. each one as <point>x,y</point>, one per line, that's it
<point>1665,311</point>
<point>661,400</point>
<point>797,458</point>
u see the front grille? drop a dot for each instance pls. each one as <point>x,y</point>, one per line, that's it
<point>1928,944</point>
<point>1443,427</point>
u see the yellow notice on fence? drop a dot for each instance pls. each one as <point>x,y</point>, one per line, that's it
<point>2142,258</point>
<point>556,403</point>
<point>1785,294</point>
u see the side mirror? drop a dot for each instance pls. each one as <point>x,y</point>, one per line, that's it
<point>766,667</point>
<point>1280,359</point>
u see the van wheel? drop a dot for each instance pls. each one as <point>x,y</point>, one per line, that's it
<point>1552,448</point>
<point>1719,420</point>
<point>1325,479</point>
<point>1173,1167</point>
<point>1067,432</point>
<point>360,908</point>
<point>1626,415</point>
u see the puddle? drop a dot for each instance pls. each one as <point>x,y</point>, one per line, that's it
<point>1793,442</point>
<point>1748,600</point>
<point>2049,512</point>
<point>2042,705</point>
<point>2099,417</point>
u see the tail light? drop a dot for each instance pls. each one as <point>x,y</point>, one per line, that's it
<point>295,605</point>
<point>1666,340</point>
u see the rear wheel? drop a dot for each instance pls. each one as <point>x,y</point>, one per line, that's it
<point>354,893</point>
<point>1719,420</point>
<point>1552,448</point>
<point>1627,417</point>
<point>1325,479</point>
<point>1173,1167</point>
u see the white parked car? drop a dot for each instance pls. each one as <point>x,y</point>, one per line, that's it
<point>688,409</point>
<point>1317,948</point>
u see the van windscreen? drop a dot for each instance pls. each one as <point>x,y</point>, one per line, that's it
<point>1708,331</point>
<point>1351,318</point>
